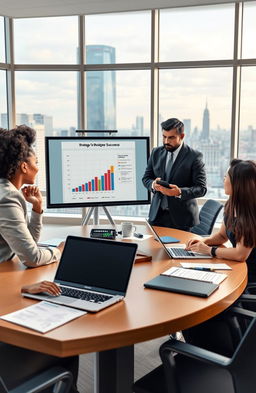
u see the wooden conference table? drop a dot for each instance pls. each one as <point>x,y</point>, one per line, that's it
<point>145,314</point>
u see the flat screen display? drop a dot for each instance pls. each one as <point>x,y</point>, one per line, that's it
<point>96,171</point>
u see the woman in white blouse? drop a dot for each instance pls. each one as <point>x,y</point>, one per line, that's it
<point>18,168</point>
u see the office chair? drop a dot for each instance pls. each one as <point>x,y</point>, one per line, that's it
<point>199,370</point>
<point>208,215</point>
<point>56,377</point>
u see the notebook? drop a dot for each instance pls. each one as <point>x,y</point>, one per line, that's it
<point>178,251</point>
<point>93,273</point>
<point>182,285</point>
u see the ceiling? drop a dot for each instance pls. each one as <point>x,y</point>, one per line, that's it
<point>38,8</point>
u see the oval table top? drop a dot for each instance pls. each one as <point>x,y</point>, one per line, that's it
<point>143,315</point>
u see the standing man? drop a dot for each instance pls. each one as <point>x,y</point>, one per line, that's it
<point>183,169</point>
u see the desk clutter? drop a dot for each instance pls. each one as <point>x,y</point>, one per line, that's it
<point>187,281</point>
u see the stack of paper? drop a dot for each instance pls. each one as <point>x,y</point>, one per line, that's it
<point>215,266</point>
<point>43,316</point>
<point>215,278</point>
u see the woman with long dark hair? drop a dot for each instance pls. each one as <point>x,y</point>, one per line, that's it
<point>239,224</point>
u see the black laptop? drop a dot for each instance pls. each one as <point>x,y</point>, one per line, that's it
<point>93,274</point>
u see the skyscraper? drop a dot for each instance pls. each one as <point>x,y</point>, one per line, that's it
<point>206,124</point>
<point>100,89</point>
<point>187,127</point>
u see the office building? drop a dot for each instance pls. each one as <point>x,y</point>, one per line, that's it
<point>205,135</point>
<point>187,128</point>
<point>100,90</point>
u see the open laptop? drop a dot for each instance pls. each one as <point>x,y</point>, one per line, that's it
<point>178,251</point>
<point>93,273</point>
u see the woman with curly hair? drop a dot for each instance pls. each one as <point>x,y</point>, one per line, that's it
<point>239,224</point>
<point>18,167</point>
<point>19,236</point>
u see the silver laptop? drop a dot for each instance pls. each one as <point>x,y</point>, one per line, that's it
<point>93,274</point>
<point>178,252</point>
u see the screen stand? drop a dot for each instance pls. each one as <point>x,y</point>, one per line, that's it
<point>95,211</point>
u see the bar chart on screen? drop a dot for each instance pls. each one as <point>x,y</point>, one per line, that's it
<point>98,171</point>
<point>105,182</point>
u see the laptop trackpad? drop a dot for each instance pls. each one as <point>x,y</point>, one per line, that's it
<point>64,299</point>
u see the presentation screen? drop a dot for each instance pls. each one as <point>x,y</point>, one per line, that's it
<point>94,171</point>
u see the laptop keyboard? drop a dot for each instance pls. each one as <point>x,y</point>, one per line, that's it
<point>180,252</point>
<point>83,295</point>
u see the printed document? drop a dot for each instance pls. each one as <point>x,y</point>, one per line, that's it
<point>215,278</point>
<point>215,266</point>
<point>43,316</point>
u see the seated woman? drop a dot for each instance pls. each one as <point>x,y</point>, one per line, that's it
<point>239,224</point>
<point>239,227</point>
<point>18,234</point>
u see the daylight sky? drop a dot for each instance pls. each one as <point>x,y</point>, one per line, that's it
<point>198,33</point>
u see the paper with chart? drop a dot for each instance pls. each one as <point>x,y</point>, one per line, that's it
<point>98,171</point>
<point>43,316</point>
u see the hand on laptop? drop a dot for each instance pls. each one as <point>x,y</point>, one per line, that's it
<point>198,246</point>
<point>43,286</point>
<point>61,246</point>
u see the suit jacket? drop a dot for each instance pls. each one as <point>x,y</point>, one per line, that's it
<point>18,234</point>
<point>188,174</point>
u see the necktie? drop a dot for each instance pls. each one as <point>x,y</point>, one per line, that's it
<point>168,168</point>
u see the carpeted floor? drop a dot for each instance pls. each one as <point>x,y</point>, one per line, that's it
<point>146,358</point>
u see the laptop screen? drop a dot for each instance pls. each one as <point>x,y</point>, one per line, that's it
<point>96,263</point>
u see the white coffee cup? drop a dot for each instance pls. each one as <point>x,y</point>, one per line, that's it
<point>127,229</point>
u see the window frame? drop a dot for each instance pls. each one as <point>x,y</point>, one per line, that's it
<point>154,65</point>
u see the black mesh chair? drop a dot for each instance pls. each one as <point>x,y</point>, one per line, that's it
<point>55,379</point>
<point>208,215</point>
<point>200,370</point>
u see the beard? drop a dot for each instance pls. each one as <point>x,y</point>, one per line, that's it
<point>170,148</point>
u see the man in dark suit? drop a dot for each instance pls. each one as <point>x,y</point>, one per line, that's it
<point>183,169</point>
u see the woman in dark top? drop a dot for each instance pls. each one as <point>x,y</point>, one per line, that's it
<point>239,224</point>
<point>239,227</point>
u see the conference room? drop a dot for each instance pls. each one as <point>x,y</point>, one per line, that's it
<point>95,81</point>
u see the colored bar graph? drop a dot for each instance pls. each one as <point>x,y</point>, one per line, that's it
<point>105,182</point>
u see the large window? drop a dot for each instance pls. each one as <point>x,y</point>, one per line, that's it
<point>134,75</point>
<point>2,41</point>
<point>202,99</point>
<point>128,34</point>
<point>249,30</point>
<point>118,100</point>
<point>247,140</point>
<point>46,40</point>
<point>197,33</point>
<point>47,101</point>
<point>3,100</point>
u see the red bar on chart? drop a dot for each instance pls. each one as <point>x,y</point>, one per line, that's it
<point>83,187</point>
<point>96,183</point>
<point>90,185</point>
<point>76,189</point>
<point>109,181</point>
<point>105,181</point>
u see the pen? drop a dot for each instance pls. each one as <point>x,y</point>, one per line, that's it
<point>205,269</point>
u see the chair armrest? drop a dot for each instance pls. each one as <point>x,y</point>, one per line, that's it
<point>44,380</point>
<point>241,311</point>
<point>247,298</point>
<point>251,285</point>
<point>193,352</point>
